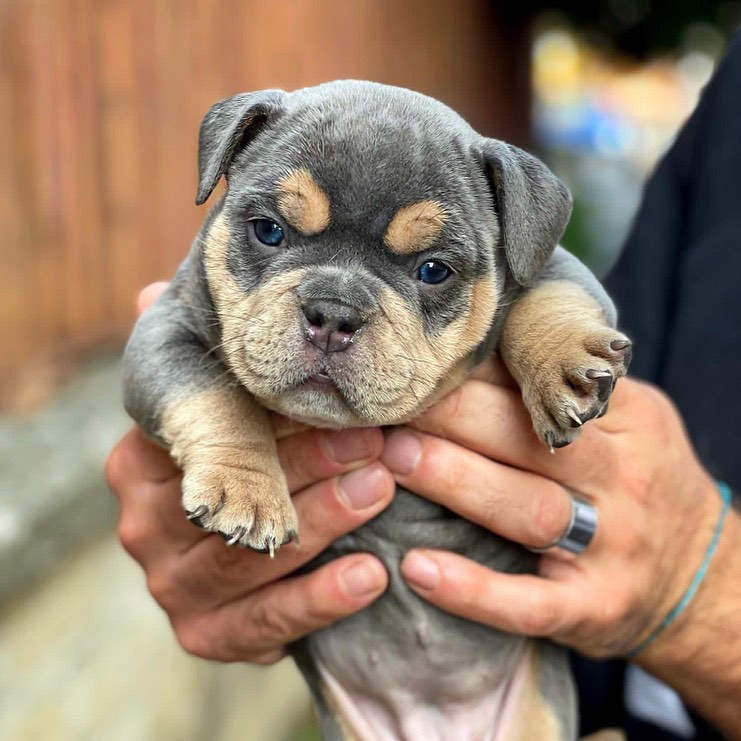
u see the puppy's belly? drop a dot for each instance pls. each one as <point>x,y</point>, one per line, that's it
<point>403,669</point>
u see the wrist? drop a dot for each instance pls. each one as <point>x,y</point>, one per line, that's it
<point>698,577</point>
<point>699,653</point>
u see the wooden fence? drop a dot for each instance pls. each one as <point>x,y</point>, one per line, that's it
<point>100,102</point>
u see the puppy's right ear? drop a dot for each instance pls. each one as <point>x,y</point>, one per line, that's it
<point>228,127</point>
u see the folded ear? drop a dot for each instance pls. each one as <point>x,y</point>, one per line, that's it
<point>228,127</point>
<point>532,204</point>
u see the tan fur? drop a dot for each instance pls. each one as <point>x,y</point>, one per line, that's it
<point>423,368</point>
<point>259,315</point>
<point>223,439</point>
<point>536,719</point>
<point>397,369</point>
<point>228,418</point>
<point>554,333</point>
<point>415,227</point>
<point>303,203</point>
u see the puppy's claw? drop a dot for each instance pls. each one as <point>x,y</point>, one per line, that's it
<point>605,382</point>
<point>271,547</point>
<point>574,417</point>
<point>618,345</point>
<point>197,513</point>
<point>237,535</point>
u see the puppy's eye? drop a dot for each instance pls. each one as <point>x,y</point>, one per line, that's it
<point>433,271</point>
<point>268,232</point>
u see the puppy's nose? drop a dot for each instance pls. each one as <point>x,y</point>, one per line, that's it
<point>331,325</point>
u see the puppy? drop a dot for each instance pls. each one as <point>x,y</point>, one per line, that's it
<point>369,251</point>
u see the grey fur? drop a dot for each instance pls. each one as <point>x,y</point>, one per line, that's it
<point>534,207</point>
<point>225,128</point>
<point>564,266</point>
<point>372,149</point>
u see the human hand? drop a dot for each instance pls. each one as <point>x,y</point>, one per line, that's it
<point>231,604</point>
<point>476,454</point>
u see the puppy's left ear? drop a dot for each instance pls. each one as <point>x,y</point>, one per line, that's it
<point>532,204</point>
<point>228,127</point>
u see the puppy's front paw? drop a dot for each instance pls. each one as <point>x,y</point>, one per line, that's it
<point>244,505</point>
<point>573,383</point>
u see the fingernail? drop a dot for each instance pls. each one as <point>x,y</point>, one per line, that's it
<point>420,570</point>
<point>346,446</point>
<point>361,488</point>
<point>363,578</point>
<point>401,452</point>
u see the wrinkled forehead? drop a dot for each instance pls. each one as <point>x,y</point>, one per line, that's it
<point>360,157</point>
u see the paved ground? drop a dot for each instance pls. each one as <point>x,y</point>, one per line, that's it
<point>84,652</point>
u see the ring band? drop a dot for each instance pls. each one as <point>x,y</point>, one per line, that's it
<point>580,530</point>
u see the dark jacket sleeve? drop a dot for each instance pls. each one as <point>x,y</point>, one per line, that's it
<point>677,284</point>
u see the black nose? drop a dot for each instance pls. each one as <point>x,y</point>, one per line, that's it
<point>331,325</point>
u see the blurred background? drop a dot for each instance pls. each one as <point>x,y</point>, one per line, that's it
<point>100,103</point>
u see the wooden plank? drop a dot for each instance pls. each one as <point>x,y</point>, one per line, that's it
<point>98,137</point>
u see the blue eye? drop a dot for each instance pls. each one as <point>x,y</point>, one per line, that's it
<point>268,232</point>
<point>433,271</point>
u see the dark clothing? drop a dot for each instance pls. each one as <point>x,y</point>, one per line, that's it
<point>677,286</point>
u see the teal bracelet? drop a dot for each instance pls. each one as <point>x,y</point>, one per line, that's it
<point>725,493</point>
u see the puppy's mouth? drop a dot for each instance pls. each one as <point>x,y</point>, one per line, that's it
<point>320,379</point>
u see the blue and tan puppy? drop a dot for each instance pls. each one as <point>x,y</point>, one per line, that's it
<point>369,251</point>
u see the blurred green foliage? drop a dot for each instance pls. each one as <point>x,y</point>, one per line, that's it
<point>636,27</point>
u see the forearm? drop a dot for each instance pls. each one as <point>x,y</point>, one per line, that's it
<point>700,654</point>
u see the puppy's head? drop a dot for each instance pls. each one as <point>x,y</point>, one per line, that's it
<point>358,257</point>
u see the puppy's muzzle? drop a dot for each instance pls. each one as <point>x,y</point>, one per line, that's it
<point>331,326</point>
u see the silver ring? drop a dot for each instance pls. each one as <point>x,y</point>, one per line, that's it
<point>580,530</point>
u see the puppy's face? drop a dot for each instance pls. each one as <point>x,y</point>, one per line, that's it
<point>353,262</point>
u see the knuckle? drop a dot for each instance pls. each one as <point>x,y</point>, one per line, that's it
<point>194,640</point>
<point>271,625</point>
<point>656,409</point>
<point>634,539</point>
<point>134,533</point>
<point>225,561</point>
<point>551,516</point>
<point>266,659</point>
<point>541,619</point>
<point>161,586</point>
<point>616,609</point>
<point>116,468</point>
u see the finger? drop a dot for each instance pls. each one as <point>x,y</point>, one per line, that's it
<point>262,623</point>
<point>516,504</point>
<point>153,525</point>
<point>493,370</point>
<point>147,483</point>
<point>148,295</point>
<point>308,457</point>
<point>524,604</point>
<point>210,573</point>
<point>492,421</point>
<point>285,426</point>
<point>137,459</point>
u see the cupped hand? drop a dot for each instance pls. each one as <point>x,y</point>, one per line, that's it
<point>476,454</point>
<point>231,604</point>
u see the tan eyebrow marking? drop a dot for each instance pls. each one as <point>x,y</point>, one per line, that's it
<point>303,203</point>
<point>415,227</point>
